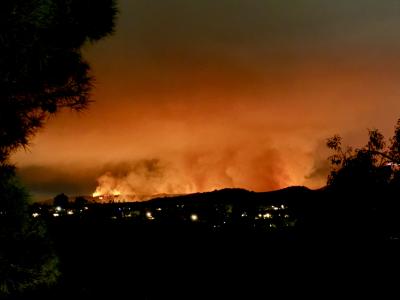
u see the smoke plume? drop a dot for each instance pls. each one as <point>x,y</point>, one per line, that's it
<point>194,173</point>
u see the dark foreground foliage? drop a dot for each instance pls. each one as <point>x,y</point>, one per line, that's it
<point>41,72</point>
<point>27,260</point>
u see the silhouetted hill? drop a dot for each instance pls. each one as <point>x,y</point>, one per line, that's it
<point>236,196</point>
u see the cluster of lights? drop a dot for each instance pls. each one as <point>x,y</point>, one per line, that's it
<point>269,215</point>
<point>265,216</point>
<point>58,211</point>
<point>195,218</point>
<point>149,216</point>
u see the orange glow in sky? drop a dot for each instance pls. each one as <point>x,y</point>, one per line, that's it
<point>196,95</point>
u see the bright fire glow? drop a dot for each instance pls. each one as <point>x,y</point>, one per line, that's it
<point>107,194</point>
<point>142,182</point>
<point>99,193</point>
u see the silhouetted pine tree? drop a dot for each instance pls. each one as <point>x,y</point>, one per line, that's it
<point>41,71</point>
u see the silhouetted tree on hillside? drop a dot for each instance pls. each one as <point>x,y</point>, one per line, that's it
<point>366,183</point>
<point>61,200</point>
<point>80,201</point>
<point>373,166</point>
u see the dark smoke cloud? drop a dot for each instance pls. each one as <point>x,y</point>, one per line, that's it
<point>48,181</point>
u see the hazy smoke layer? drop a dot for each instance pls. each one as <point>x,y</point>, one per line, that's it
<point>194,173</point>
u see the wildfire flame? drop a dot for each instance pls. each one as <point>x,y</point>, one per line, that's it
<point>109,195</point>
<point>100,193</point>
<point>140,184</point>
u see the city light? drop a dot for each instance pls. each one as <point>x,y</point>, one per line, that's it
<point>149,215</point>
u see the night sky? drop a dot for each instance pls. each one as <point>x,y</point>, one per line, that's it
<point>200,95</point>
